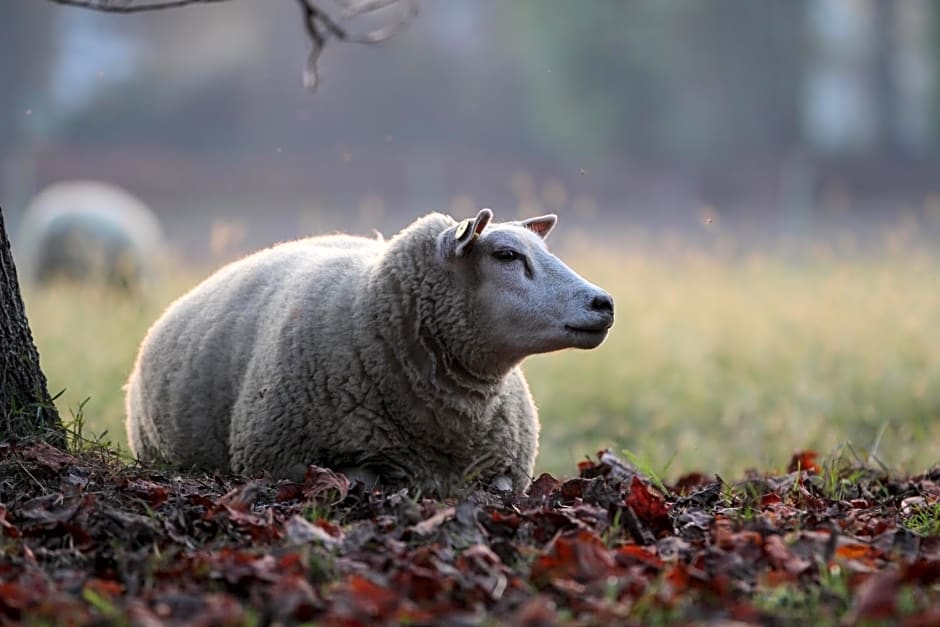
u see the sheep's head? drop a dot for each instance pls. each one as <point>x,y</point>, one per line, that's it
<point>523,299</point>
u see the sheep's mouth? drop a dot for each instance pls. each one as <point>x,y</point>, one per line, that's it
<point>587,336</point>
<point>596,329</point>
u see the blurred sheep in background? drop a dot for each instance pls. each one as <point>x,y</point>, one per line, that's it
<point>89,231</point>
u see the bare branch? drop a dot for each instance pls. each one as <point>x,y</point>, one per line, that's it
<point>354,8</point>
<point>119,6</point>
<point>314,16</point>
<point>319,24</point>
<point>408,13</point>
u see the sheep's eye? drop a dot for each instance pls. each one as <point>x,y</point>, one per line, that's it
<point>506,254</point>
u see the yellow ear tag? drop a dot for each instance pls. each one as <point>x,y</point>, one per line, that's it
<point>462,229</point>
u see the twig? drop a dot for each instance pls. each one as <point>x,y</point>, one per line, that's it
<point>35,480</point>
<point>313,15</point>
<point>361,7</point>
<point>319,24</point>
<point>109,6</point>
<point>408,13</point>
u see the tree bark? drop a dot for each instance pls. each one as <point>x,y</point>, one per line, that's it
<point>25,406</point>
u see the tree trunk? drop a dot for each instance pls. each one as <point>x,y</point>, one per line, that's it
<point>25,406</point>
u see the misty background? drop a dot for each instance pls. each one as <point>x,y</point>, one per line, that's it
<point>799,119</point>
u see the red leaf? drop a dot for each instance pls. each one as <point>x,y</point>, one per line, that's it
<point>239,499</point>
<point>331,528</point>
<point>421,584</point>
<point>153,493</point>
<point>543,486</point>
<point>360,597</point>
<point>105,588</point>
<point>294,598</point>
<point>536,612</point>
<point>572,489</point>
<point>289,491</point>
<point>202,501</point>
<point>7,528</point>
<point>876,599</point>
<point>49,456</point>
<point>857,552</point>
<point>259,527</point>
<point>805,461</point>
<point>323,481</point>
<point>218,609</point>
<point>782,558</point>
<point>922,572</point>
<point>582,557</point>
<point>549,522</point>
<point>770,498</point>
<point>631,554</point>
<point>674,583</point>
<point>300,531</point>
<point>15,595</point>
<point>511,521</point>
<point>686,483</point>
<point>291,563</point>
<point>723,533</point>
<point>480,555</point>
<point>428,526</point>
<point>648,505</point>
<point>585,465</point>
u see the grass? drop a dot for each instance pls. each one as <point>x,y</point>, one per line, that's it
<point>924,520</point>
<point>716,362</point>
<point>87,338</point>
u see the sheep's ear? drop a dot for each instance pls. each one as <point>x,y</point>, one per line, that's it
<point>469,230</point>
<point>541,225</point>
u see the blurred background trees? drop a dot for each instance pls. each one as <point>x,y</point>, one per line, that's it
<point>755,109</point>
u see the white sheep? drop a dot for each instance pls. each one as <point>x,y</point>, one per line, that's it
<point>396,360</point>
<point>88,230</point>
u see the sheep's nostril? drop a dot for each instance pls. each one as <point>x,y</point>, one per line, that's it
<point>603,302</point>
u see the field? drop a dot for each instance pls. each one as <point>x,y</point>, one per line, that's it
<point>717,362</point>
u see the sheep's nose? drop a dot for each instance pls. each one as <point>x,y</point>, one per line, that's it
<point>603,302</point>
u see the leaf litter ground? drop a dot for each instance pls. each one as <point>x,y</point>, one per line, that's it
<point>85,539</point>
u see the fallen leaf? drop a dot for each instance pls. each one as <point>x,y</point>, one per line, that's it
<point>782,558</point>
<point>7,528</point>
<point>154,493</point>
<point>301,531</point>
<point>105,588</point>
<point>48,456</point>
<point>649,506</point>
<point>581,557</point>
<point>326,483</point>
<point>804,461</point>
<point>542,487</point>
<point>875,599</point>
<point>428,526</point>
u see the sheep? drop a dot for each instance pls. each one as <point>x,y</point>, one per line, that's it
<point>393,361</point>
<point>88,231</point>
